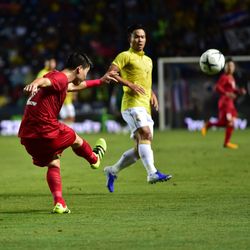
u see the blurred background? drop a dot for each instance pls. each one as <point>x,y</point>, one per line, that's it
<point>33,31</point>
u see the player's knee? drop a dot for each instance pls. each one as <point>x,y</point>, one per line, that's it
<point>55,163</point>
<point>78,142</point>
<point>230,124</point>
<point>230,119</point>
<point>145,134</point>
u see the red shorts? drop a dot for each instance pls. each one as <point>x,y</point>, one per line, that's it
<point>226,108</point>
<point>44,150</point>
<point>223,113</point>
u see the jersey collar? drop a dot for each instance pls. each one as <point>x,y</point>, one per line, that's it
<point>140,53</point>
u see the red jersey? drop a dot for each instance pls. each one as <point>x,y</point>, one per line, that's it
<point>226,83</point>
<point>40,118</point>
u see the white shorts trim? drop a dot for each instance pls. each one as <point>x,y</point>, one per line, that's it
<point>137,118</point>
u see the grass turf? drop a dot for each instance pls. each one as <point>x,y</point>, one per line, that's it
<point>205,205</point>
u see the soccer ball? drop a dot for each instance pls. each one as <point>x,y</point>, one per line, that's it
<point>212,61</point>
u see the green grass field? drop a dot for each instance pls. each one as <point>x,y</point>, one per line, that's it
<point>205,206</point>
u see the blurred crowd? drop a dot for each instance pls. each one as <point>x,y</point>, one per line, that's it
<point>34,30</point>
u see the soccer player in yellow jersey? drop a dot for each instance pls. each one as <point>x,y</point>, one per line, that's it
<point>134,67</point>
<point>49,65</point>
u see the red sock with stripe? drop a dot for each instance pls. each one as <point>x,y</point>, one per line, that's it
<point>86,152</point>
<point>55,184</point>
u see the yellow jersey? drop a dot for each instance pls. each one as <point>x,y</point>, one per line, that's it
<point>42,72</point>
<point>135,67</point>
<point>69,98</point>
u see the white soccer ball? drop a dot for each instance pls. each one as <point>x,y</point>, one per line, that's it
<point>212,61</point>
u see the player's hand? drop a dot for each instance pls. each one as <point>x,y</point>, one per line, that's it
<point>36,84</point>
<point>109,76</point>
<point>231,95</point>
<point>154,101</point>
<point>243,91</point>
<point>31,88</point>
<point>137,88</point>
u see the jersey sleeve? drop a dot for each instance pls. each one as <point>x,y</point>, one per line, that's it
<point>58,80</point>
<point>121,60</point>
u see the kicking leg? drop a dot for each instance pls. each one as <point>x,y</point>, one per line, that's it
<point>83,149</point>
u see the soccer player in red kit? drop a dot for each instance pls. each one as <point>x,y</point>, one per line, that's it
<point>226,87</point>
<point>43,136</point>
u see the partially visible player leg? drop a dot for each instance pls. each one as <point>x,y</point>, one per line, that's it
<point>207,125</point>
<point>228,133</point>
<point>83,149</point>
<point>55,185</point>
<point>99,149</point>
<point>144,137</point>
<point>147,157</point>
<point>141,126</point>
<point>127,159</point>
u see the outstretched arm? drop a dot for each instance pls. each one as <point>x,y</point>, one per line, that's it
<point>240,91</point>
<point>73,87</point>
<point>220,88</point>
<point>138,89</point>
<point>109,76</point>
<point>36,84</point>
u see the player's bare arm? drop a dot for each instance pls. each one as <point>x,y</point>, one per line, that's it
<point>237,91</point>
<point>36,84</point>
<point>242,91</point>
<point>138,89</point>
<point>109,76</point>
<point>154,101</point>
<point>73,87</point>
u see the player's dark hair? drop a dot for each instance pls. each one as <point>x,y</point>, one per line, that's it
<point>50,57</point>
<point>76,59</point>
<point>229,59</point>
<point>133,27</point>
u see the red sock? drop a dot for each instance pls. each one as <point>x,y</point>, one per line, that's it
<point>86,152</point>
<point>228,134</point>
<point>55,184</point>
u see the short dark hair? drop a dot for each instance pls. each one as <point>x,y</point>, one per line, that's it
<point>76,59</point>
<point>229,59</point>
<point>133,27</point>
<point>50,57</point>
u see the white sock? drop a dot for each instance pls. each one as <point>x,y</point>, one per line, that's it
<point>128,158</point>
<point>147,158</point>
